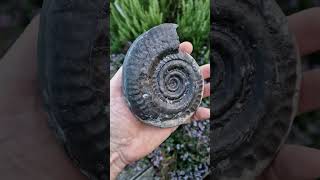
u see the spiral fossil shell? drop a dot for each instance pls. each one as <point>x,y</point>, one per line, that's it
<point>256,79</point>
<point>162,86</point>
<point>72,55</point>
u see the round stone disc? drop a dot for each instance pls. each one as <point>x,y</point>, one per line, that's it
<point>255,81</point>
<point>162,86</point>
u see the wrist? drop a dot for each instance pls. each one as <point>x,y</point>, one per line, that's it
<point>117,164</point>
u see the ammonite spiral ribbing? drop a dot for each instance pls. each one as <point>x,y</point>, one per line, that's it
<point>162,86</point>
<point>72,69</point>
<point>255,86</point>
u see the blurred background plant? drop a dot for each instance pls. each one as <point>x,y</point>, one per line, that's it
<point>14,17</point>
<point>131,18</point>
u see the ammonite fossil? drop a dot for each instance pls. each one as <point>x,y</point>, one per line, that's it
<point>255,85</point>
<point>72,55</point>
<point>162,86</point>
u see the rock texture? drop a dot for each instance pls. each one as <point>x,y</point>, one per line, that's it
<point>256,76</point>
<point>72,55</point>
<point>162,86</point>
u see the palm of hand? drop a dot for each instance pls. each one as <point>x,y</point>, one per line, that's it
<point>130,137</point>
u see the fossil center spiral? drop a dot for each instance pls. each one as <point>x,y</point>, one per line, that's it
<point>176,80</point>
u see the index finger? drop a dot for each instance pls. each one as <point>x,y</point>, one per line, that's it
<point>205,71</point>
<point>305,26</point>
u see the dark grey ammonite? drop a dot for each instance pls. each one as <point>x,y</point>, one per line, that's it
<point>162,86</point>
<point>255,85</point>
<point>72,56</point>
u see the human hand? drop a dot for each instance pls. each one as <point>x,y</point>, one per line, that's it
<point>28,148</point>
<point>298,162</point>
<point>131,139</point>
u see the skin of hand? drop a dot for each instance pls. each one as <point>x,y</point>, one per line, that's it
<point>131,139</point>
<point>297,162</point>
<point>28,148</point>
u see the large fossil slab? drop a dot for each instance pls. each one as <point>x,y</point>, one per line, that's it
<point>72,55</point>
<point>255,85</point>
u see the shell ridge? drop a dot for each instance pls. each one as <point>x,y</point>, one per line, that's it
<point>162,75</point>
